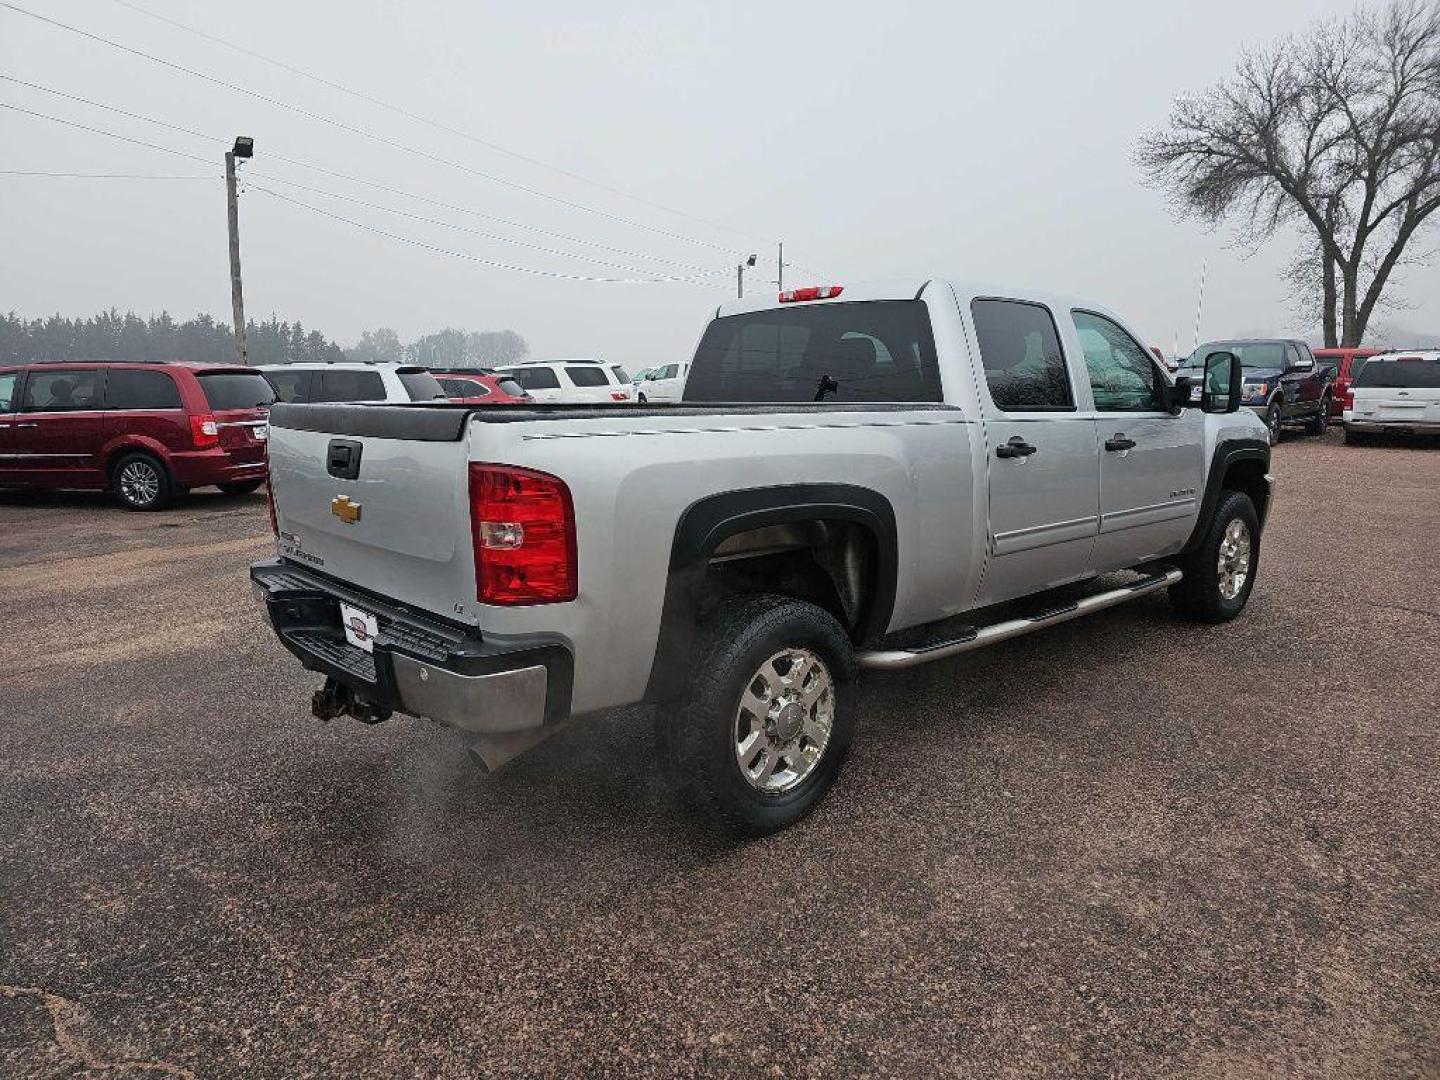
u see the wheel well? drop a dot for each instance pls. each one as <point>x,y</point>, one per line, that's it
<point>830,563</point>
<point>113,457</point>
<point>1248,476</point>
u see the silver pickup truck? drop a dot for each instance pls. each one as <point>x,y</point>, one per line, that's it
<point>859,476</point>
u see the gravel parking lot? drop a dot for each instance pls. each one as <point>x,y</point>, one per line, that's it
<point>1126,846</point>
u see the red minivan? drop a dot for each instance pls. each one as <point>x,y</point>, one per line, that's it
<point>146,431</point>
<point>1347,363</point>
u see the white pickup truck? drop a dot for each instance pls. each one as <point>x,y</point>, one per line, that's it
<point>867,476</point>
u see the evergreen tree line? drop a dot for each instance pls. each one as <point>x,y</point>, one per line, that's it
<point>112,336</point>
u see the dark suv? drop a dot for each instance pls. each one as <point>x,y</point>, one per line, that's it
<point>147,432</point>
<point>1283,383</point>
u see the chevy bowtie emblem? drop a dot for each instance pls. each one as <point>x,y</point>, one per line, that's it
<point>344,509</point>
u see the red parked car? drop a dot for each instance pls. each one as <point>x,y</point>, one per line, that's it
<point>1347,363</point>
<point>481,387</point>
<point>146,431</point>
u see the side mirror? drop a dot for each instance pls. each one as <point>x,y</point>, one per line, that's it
<point>1223,383</point>
<point>1305,364</point>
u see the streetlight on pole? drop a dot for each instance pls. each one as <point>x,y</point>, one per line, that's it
<point>243,149</point>
<point>740,275</point>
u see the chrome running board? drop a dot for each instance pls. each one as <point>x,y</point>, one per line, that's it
<point>978,637</point>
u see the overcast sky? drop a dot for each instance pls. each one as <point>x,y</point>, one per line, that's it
<point>986,142</point>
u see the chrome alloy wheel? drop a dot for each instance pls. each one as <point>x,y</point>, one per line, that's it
<point>783,724</point>
<point>139,483</point>
<point>1233,566</point>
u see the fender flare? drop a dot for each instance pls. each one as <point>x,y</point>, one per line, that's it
<point>1227,453</point>
<point>707,523</point>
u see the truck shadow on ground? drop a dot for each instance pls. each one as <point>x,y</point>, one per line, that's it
<point>103,501</point>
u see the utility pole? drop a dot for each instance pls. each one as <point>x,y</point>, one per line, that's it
<point>243,149</point>
<point>740,276</point>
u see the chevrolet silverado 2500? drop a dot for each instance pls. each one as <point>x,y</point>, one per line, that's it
<point>859,477</point>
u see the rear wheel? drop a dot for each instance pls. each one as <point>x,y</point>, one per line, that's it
<point>768,715</point>
<point>141,482</point>
<point>1220,572</point>
<point>641,399</point>
<point>243,487</point>
<point>1317,424</point>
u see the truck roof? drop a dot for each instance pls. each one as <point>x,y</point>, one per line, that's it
<point>906,289</point>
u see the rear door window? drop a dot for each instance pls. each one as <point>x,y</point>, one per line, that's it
<point>586,375</point>
<point>225,390</point>
<point>340,386</point>
<point>865,351</point>
<point>536,378</point>
<point>421,385</point>
<point>1020,351</point>
<point>463,387</point>
<point>63,390</point>
<point>7,390</point>
<point>1401,373</point>
<point>126,389</point>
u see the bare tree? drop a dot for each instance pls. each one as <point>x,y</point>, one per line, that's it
<point>1337,132</point>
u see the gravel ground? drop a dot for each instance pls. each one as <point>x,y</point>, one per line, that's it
<point>1126,846</point>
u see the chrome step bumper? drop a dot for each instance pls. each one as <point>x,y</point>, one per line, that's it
<point>982,636</point>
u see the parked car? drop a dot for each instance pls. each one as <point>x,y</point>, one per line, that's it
<point>145,431</point>
<point>1345,364</point>
<point>480,387</point>
<point>860,493</point>
<point>575,381</point>
<point>395,384</point>
<point>1396,393</point>
<point>1283,383</point>
<point>663,383</point>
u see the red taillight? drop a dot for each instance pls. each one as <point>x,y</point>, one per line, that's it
<point>619,395</point>
<point>523,525</point>
<point>203,430</point>
<point>814,292</point>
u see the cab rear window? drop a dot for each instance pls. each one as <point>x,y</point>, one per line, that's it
<point>235,390</point>
<point>876,350</point>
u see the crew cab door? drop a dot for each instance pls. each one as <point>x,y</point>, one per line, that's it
<point>1303,382</point>
<point>1043,476</point>
<point>1151,460</point>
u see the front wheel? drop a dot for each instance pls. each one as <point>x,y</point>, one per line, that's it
<point>141,482</point>
<point>1272,421</point>
<point>641,399</point>
<point>768,715</point>
<point>1318,423</point>
<point>1220,573</point>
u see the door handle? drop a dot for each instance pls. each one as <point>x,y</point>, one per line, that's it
<point>1016,447</point>
<point>26,425</point>
<point>1119,442</point>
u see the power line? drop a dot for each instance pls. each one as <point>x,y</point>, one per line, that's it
<point>102,131</point>
<point>472,258</point>
<point>352,129</point>
<point>474,232</point>
<point>400,110</point>
<point>628,253</point>
<point>102,176</point>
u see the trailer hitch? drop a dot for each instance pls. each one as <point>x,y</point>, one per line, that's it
<point>336,699</point>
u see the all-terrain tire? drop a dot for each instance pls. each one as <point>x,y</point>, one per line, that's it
<point>1317,424</point>
<point>1274,414</point>
<point>698,735</point>
<point>1208,592</point>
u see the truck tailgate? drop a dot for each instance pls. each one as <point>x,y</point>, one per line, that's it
<point>396,521</point>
